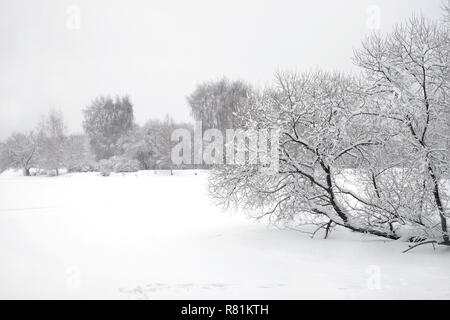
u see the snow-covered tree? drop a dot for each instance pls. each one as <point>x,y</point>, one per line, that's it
<point>106,120</point>
<point>446,10</point>
<point>151,144</point>
<point>52,141</point>
<point>347,157</point>
<point>138,145</point>
<point>408,73</point>
<point>319,137</point>
<point>77,154</point>
<point>215,103</point>
<point>159,133</point>
<point>19,151</point>
<point>3,158</point>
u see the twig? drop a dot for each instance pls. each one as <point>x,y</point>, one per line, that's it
<point>421,243</point>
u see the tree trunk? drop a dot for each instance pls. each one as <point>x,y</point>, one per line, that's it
<point>346,223</point>
<point>374,182</point>
<point>437,199</point>
<point>26,172</point>
<point>364,229</point>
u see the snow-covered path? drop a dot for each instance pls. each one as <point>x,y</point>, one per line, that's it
<point>157,236</point>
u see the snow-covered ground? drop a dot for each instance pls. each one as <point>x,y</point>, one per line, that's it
<point>157,236</point>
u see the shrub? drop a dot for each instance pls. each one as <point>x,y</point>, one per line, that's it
<point>117,164</point>
<point>105,167</point>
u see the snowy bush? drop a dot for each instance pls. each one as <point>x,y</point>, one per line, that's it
<point>122,164</point>
<point>117,164</point>
<point>105,167</point>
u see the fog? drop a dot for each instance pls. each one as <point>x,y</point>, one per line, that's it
<point>62,54</point>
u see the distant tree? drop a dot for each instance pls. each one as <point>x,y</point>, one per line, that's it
<point>216,102</point>
<point>106,120</point>
<point>117,164</point>
<point>160,136</point>
<point>3,159</point>
<point>446,10</point>
<point>77,154</point>
<point>19,151</point>
<point>138,145</point>
<point>52,141</point>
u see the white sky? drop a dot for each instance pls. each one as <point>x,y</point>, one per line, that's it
<point>156,51</point>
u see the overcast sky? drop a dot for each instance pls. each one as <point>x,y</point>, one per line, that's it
<point>156,51</point>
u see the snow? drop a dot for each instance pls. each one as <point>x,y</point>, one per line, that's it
<point>156,236</point>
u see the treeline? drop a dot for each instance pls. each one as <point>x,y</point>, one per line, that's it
<point>112,142</point>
